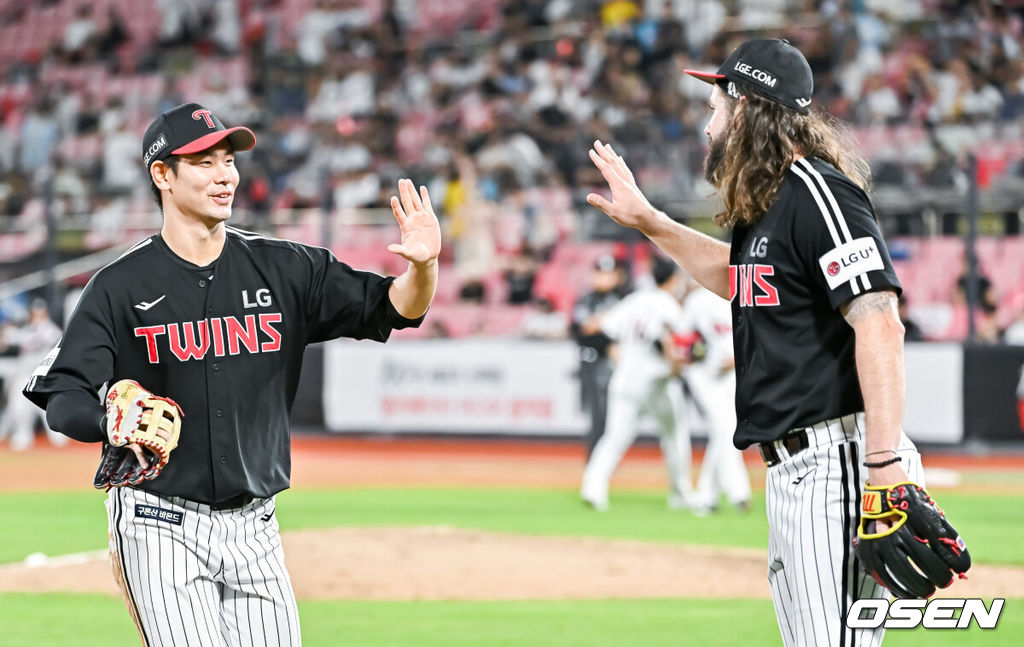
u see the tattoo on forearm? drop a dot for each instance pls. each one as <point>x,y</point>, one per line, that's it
<point>871,302</point>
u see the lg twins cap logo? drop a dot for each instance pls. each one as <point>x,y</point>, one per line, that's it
<point>847,262</point>
<point>204,114</point>
<point>154,148</point>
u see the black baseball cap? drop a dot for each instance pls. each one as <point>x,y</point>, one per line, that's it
<point>773,68</point>
<point>190,128</point>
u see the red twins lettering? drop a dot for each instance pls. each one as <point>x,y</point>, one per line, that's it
<point>743,278</point>
<point>203,114</point>
<point>188,349</point>
<point>236,333</point>
<point>227,335</point>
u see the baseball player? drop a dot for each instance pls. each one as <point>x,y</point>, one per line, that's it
<point>594,345</point>
<point>712,382</point>
<point>199,333</point>
<point>32,340</point>
<point>643,381</point>
<point>818,344</point>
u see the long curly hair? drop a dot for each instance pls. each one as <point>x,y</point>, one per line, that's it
<point>761,141</point>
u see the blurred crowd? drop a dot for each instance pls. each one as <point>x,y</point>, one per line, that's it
<point>492,104</point>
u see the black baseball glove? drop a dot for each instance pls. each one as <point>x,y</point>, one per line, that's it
<point>119,466</point>
<point>919,550</point>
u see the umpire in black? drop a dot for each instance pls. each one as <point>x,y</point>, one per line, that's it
<point>606,281</point>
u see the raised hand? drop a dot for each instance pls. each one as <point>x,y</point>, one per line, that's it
<point>628,206</point>
<point>421,233</point>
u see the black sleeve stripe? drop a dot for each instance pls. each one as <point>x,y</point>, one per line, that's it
<point>841,235</point>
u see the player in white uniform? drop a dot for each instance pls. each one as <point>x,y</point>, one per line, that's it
<point>644,381</point>
<point>712,381</point>
<point>33,340</point>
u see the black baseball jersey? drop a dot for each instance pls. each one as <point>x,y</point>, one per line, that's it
<point>817,247</point>
<point>224,341</point>
<point>589,304</point>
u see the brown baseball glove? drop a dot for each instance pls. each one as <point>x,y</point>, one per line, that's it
<point>136,419</point>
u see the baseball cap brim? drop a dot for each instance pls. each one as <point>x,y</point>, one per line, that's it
<point>240,137</point>
<point>707,77</point>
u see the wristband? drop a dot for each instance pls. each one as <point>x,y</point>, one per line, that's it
<point>891,461</point>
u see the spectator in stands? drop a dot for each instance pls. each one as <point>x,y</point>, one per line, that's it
<point>87,114</point>
<point>986,292</point>
<point>69,187</point>
<point>39,136</point>
<point>469,223</point>
<point>179,21</point>
<point>120,175</point>
<point>520,276</point>
<point>114,34</point>
<point>14,194</point>
<point>79,35</point>
<point>981,101</point>
<point>226,28</point>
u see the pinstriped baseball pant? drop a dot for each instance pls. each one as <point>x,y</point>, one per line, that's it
<point>813,505</point>
<point>195,576</point>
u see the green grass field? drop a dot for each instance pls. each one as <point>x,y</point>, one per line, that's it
<point>64,522</point>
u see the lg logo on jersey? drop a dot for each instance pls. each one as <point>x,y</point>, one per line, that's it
<point>871,613</point>
<point>262,298</point>
<point>759,247</point>
<point>743,279</point>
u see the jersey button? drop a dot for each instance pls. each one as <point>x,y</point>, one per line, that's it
<point>223,460</point>
<point>216,366</point>
<point>739,319</point>
<point>220,413</point>
<point>202,283</point>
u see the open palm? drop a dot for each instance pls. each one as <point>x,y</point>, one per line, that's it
<point>628,203</point>
<point>421,233</point>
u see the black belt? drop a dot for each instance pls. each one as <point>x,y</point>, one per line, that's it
<point>234,502</point>
<point>794,442</point>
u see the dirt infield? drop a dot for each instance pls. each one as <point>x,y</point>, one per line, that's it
<point>437,563</point>
<point>441,563</point>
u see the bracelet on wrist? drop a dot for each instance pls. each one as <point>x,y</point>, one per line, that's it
<point>891,461</point>
<point>881,451</point>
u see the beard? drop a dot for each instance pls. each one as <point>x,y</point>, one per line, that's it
<point>714,159</point>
